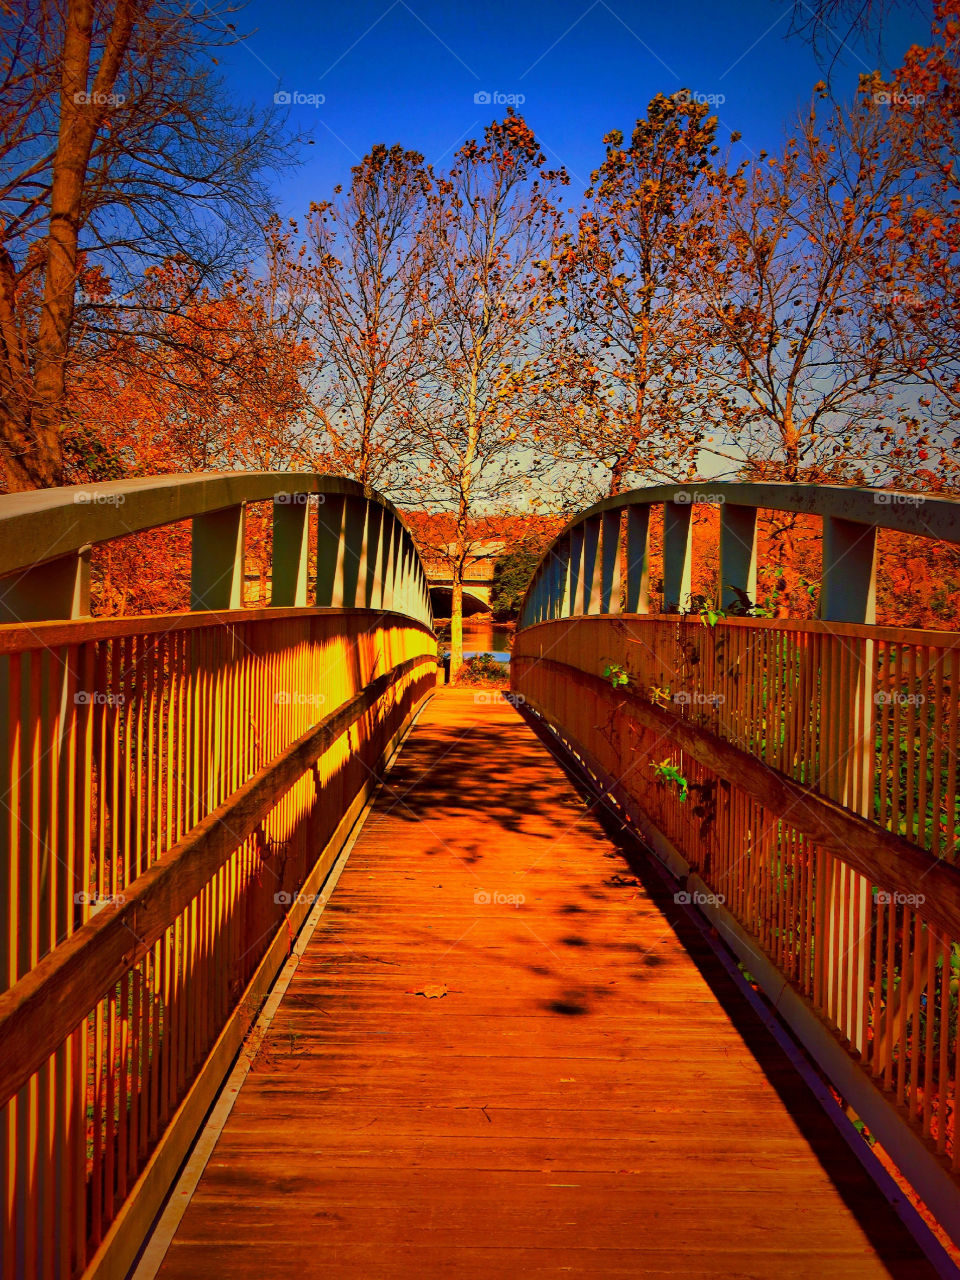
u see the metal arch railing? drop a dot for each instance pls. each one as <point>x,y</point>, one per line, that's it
<point>801,777</point>
<point>366,556</point>
<point>176,790</point>
<point>580,573</point>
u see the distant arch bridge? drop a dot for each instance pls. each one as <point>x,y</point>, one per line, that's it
<point>477,582</point>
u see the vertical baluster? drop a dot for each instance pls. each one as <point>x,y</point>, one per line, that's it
<point>217,560</point>
<point>638,559</point>
<point>289,585</point>
<point>610,562</point>
<point>677,556</point>
<point>738,556</point>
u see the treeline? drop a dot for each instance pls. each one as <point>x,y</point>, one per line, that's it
<point>462,339</point>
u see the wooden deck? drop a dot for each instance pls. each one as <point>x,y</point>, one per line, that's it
<point>591,1097</point>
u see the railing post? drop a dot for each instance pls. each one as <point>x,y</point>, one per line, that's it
<point>403,602</point>
<point>738,555</point>
<point>59,589</point>
<point>543,593</point>
<point>415,584</point>
<point>550,588</point>
<point>526,613</point>
<point>848,594</point>
<point>330,513</point>
<point>575,572</point>
<point>848,589</point>
<point>677,541</point>
<point>395,577</point>
<point>291,543</point>
<point>356,551</point>
<point>424,592</point>
<point>638,559</point>
<point>610,562</point>
<point>216,560</point>
<point>373,583</point>
<point>591,564</point>
<point>561,562</point>
<point>535,597</point>
<point>341,544</point>
<point>389,560</point>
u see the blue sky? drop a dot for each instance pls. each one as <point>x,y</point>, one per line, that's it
<point>408,71</point>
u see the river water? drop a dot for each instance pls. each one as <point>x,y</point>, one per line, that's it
<point>482,637</point>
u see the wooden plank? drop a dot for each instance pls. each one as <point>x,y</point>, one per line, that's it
<point>590,1085</point>
<point>126,1234</point>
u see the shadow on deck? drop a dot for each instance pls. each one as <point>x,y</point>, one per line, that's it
<point>508,1052</point>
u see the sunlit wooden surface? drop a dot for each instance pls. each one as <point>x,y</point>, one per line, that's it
<point>590,1097</point>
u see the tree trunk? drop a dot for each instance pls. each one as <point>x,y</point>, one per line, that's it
<point>31,450</point>
<point>16,456</point>
<point>456,620</point>
<point>56,315</point>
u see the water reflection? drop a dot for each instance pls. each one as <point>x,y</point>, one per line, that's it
<point>481,637</point>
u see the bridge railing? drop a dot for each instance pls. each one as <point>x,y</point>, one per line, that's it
<point>801,776</point>
<point>176,790</point>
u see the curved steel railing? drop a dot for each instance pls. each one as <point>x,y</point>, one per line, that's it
<point>365,553</point>
<point>580,572</point>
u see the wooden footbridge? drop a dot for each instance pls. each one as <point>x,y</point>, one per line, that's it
<point>314,969</point>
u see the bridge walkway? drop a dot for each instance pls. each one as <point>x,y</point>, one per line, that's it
<point>507,1052</point>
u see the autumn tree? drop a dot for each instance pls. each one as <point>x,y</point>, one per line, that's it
<point>916,263</point>
<point>218,380</point>
<point>363,282</point>
<point>635,391</point>
<point>486,284</point>
<point>512,572</point>
<point>790,291</point>
<point>830,26</point>
<point>117,141</point>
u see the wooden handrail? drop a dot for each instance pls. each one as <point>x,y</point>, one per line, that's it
<point>22,637</point>
<point>43,1008</point>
